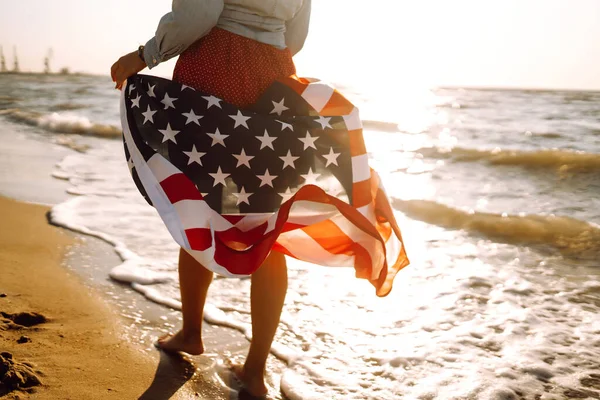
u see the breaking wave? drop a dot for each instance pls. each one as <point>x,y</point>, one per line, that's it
<point>68,106</point>
<point>60,123</point>
<point>562,160</point>
<point>571,237</point>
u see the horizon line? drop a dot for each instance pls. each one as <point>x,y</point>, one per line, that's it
<point>432,87</point>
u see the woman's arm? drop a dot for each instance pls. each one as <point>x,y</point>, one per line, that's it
<point>188,21</point>
<point>296,29</point>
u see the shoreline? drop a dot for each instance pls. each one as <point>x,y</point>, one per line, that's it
<point>89,344</point>
<point>79,352</point>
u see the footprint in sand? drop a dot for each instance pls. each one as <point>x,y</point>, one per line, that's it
<point>15,375</point>
<point>22,319</point>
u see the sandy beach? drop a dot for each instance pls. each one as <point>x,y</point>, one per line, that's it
<point>79,351</point>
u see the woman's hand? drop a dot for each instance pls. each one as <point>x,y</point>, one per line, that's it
<point>126,66</point>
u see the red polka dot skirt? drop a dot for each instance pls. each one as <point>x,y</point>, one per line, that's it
<point>232,67</point>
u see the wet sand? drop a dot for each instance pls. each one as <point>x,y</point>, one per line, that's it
<point>79,351</point>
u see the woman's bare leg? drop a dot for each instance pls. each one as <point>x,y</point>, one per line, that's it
<point>194,280</point>
<point>267,295</point>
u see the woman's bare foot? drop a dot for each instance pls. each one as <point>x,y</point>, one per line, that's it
<point>188,343</point>
<point>253,383</point>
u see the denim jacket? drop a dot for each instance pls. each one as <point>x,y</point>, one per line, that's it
<point>280,23</point>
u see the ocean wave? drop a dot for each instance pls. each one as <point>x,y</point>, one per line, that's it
<point>68,106</point>
<point>454,105</point>
<point>548,135</point>
<point>562,160</point>
<point>72,144</point>
<point>580,96</point>
<point>571,237</point>
<point>60,123</point>
<point>8,99</point>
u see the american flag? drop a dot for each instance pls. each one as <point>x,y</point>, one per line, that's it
<point>289,174</point>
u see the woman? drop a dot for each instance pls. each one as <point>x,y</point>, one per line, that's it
<point>235,50</point>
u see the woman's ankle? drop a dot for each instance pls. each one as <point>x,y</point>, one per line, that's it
<point>191,333</point>
<point>254,372</point>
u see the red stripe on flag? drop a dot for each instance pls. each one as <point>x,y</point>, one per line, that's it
<point>337,105</point>
<point>179,187</point>
<point>199,238</point>
<point>361,193</point>
<point>288,226</point>
<point>357,143</point>
<point>297,84</point>
<point>240,240</point>
<point>335,241</point>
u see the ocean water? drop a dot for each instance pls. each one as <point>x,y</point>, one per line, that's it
<point>497,194</point>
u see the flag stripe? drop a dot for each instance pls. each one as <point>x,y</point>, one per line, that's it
<point>317,95</point>
<point>199,238</point>
<point>357,145</point>
<point>161,168</point>
<point>352,120</point>
<point>360,168</point>
<point>178,187</point>
<point>337,105</point>
<point>303,246</point>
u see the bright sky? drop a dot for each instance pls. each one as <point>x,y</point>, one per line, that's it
<point>514,43</point>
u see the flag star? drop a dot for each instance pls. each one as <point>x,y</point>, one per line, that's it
<point>285,125</point>
<point>168,101</point>
<point>194,156</point>
<point>309,141</point>
<point>240,119</point>
<point>183,87</point>
<point>266,179</point>
<point>130,164</point>
<point>217,138</point>
<point>219,177</point>
<point>310,178</point>
<point>278,108</point>
<point>324,122</point>
<point>168,134</point>
<point>331,157</point>
<point>288,160</point>
<point>242,197</point>
<point>148,115</point>
<point>286,195</point>
<point>191,117</point>
<point>131,88</point>
<point>212,101</point>
<point>243,159</point>
<point>151,91</point>
<point>136,102</point>
<point>266,140</point>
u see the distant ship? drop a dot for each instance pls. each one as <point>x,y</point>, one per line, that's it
<point>2,61</point>
<point>49,55</point>
<point>16,65</point>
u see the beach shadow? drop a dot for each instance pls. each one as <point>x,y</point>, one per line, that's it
<point>172,373</point>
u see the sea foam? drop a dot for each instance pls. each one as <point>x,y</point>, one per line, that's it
<point>63,123</point>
